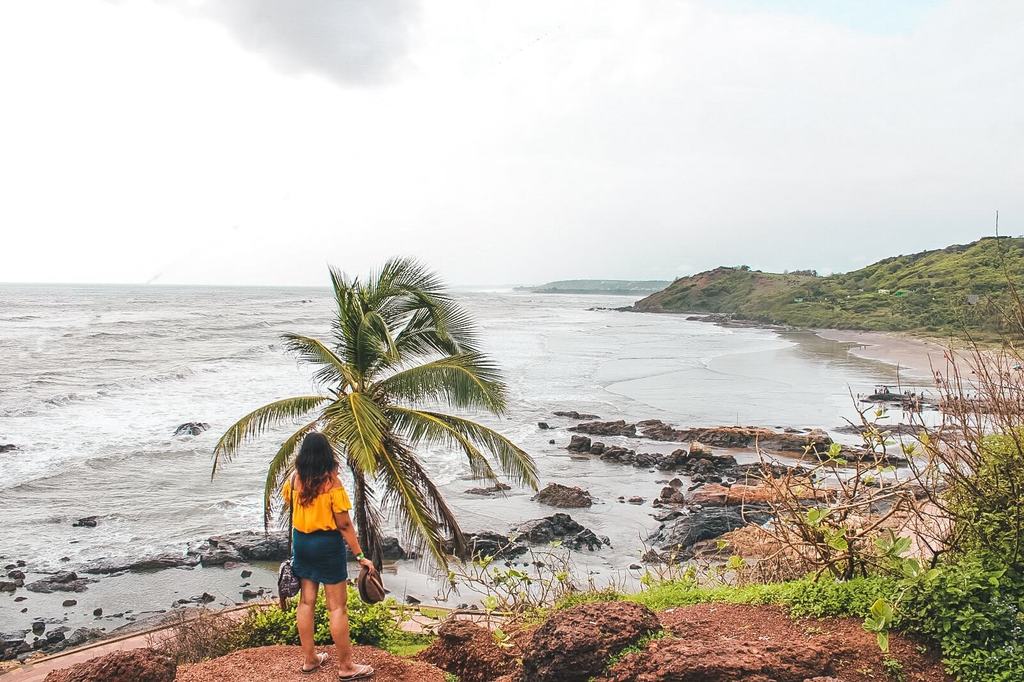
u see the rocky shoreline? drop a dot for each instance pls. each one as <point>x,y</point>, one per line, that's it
<point>705,495</point>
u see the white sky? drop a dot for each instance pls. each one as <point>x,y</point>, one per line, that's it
<point>254,141</point>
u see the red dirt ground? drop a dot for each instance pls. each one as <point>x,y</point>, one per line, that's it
<point>720,628</point>
<point>283,663</point>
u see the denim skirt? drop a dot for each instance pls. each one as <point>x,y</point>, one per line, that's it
<point>319,556</point>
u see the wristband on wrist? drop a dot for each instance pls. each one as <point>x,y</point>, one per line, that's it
<point>360,556</point>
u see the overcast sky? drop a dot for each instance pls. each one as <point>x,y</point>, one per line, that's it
<point>254,141</point>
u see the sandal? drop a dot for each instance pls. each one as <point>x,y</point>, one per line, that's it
<point>365,672</point>
<point>321,658</point>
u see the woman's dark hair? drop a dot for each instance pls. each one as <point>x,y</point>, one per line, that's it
<point>315,464</point>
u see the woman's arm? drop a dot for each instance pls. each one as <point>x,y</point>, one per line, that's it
<point>348,533</point>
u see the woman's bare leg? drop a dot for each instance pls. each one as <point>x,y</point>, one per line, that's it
<point>304,620</point>
<point>337,607</point>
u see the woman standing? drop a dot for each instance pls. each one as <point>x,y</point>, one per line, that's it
<point>321,527</point>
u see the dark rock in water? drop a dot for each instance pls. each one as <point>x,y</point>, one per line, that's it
<point>636,500</point>
<point>498,487</point>
<point>615,428</point>
<point>15,636</point>
<point>566,497</point>
<point>392,550</point>
<point>132,665</point>
<point>586,539</point>
<point>789,440</point>
<point>69,602</point>
<point>487,543</point>
<point>911,430</point>
<point>409,599</point>
<point>8,585</point>
<point>242,546</point>
<point>578,444</point>
<point>204,598</point>
<point>681,533</point>
<point>38,627</point>
<point>7,447</point>
<point>543,426</point>
<point>191,429</point>
<point>13,644</point>
<point>752,473</point>
<point>670,494</point>
<point>85,522</point>
<point>65,581</point>
<point>246,573</point>
<point>248,594</point>
<point>16,574</point>
<point>574,645</point>
<point>551,442</point>
<point>573,414</point>
<point>560,527</point>
<point>156,562</point>
<point>83,635</point>
<point>97,612</point>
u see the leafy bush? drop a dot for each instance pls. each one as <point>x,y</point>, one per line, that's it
<point>827,598</point>
<point>588,597</point>
<point>974,608</point>
<point>804,598</point>
<point>372,624</point>
<point>972,603</point>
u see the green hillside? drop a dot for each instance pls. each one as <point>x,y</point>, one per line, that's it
<point>598,286</point>
<point>932,292</point>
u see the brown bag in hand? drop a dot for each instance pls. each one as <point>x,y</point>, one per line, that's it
<point>370,586</point>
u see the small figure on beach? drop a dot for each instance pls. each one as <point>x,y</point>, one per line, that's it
<point>321,527</point>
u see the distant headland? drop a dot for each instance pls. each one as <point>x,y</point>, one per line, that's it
<point>624,287</point>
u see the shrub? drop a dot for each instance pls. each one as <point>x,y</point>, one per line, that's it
<point>587,597</point>
<point>974,609</point>
<point>972,602</point>
<point>204,636</point>
<point>372,624</point>
<point>826,598</point>
<point>805,598</point>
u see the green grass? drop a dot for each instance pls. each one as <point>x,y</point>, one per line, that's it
<point>407,644</point>
<point>940,292</point>
<point>803,598</point>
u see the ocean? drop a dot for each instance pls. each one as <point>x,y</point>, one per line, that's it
<point>95,379</point>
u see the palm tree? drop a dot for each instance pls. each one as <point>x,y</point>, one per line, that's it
<point>399,345</point>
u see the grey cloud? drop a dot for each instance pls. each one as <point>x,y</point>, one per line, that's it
<point>349,41</point>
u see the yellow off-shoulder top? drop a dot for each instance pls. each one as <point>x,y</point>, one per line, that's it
<point>319,514</point>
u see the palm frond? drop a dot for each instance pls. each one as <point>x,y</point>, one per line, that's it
<point>513,460</point>
<point>421,427</point>
<point>333,371</point>
<point>259,420</point>
<point>281,466</point>
<point>375,346</point>
<point>407,498</point>
<point>439,506</point>
<point>463,381</point>
<point>357,422</point>
<point>437,322</point>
